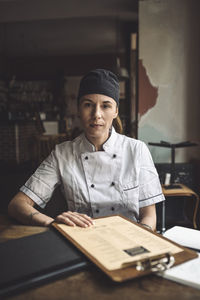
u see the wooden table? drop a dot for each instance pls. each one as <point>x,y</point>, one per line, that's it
<point>93,284</point>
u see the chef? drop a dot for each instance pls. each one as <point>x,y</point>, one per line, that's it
<point>101,172</point>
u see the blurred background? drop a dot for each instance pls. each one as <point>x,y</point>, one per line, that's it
<point>45,48</point>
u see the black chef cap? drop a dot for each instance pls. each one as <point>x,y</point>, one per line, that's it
<point>100,81</point>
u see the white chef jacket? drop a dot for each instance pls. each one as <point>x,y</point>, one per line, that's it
<point>120,179</point>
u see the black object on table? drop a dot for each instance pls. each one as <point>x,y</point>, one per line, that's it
<point>29,261</point>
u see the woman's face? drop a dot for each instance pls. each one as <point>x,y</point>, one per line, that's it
<point>97,113</point>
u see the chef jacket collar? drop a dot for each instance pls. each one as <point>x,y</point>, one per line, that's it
<point>108,146</point>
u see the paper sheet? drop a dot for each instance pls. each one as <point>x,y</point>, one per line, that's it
<point>184,236</point>
<point>114,241</point>
<point>187,273</point>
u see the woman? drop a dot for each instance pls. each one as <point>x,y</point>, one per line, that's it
<point>101,172</point>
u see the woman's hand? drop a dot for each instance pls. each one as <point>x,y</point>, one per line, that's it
<point>74,218</point>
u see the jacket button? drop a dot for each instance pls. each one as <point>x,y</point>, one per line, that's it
<point>114,155</point>
<point>112,208</point>
<point>112,183</point>
<point>86,157</point>
<point>97,211</point>
<point>92,185</point>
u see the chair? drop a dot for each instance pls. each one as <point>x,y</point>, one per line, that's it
<point>190,209</point>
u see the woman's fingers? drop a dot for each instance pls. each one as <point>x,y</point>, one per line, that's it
<point>65,220</point>
<point>82,217</point>
<point>74,218</point>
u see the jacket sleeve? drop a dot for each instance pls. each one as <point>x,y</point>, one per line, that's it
<point>150,190</point>
<point>40,186</point>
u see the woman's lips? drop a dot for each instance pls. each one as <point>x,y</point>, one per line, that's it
<point>96,125</point>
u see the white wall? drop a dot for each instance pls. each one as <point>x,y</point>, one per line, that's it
<point>169,46</point>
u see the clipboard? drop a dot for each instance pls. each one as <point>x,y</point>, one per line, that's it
<point>148,262</point>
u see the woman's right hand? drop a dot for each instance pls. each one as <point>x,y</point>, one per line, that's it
<point>74,219</point>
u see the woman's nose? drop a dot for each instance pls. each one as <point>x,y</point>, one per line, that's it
<point>97,112</point>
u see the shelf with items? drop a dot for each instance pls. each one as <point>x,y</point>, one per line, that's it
<point>26,98</point>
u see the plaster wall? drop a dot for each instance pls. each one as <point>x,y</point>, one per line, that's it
<point>169,45</point>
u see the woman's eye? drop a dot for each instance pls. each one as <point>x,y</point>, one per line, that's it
<point>87,104</point>
<point>106,106</point>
